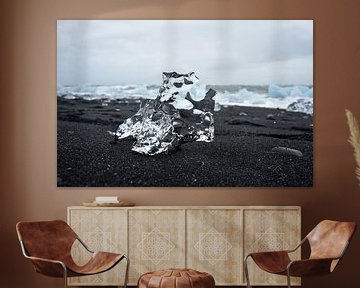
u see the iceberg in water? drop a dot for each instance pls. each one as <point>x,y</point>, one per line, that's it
<point>301,97</point>
<point>174,117</point>
<point>276,91</point>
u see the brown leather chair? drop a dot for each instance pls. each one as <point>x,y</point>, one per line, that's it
<point>48,245</point>
<point>328,242</point>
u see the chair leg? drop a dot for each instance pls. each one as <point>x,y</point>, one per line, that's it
<point>288,278</point>
<point>127,271</point>
<point>65,276</point>
<point>246,270</point>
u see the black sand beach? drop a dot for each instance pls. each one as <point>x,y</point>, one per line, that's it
<point>241,154</point>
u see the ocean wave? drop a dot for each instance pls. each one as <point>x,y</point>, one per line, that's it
<point>109,92</point>
<point>272,96</point>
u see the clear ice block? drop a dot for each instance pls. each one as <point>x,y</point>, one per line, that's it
<point>162,125</point>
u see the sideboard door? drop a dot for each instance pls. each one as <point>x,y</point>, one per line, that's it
<point>156,240</point>
<point>101,230</point>
<point>214,244</point>
<point>271,230</point>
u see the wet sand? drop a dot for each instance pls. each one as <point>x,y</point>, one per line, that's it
<point>240,156</point>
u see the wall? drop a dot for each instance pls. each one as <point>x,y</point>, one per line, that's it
<point>28,119</point>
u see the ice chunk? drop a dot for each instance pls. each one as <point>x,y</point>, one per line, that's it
<point>69,97</point>
<point>217,106</point>
<point>286,150</point>
<point>161,125</point>
<point>301,105</point>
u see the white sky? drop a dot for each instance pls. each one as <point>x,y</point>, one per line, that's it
<point>218,51</point>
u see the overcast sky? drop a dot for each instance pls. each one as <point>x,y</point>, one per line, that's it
<point>219,52</point>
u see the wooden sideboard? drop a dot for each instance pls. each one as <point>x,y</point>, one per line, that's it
<point>212,239</point>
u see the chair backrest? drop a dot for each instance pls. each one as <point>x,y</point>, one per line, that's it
<point>329,239</point>
<point>46,239</point>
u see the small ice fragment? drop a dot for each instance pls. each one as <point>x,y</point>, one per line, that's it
<point>217,106</point>
<point>301,105</point>
<point>270,117</point>
<point>286,150</point>
<point>69,97</point>
<point>161,125</point>
<point>243,114</point>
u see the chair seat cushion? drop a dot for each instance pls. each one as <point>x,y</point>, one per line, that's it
<point>176,278</point>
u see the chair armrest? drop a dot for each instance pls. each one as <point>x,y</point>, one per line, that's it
<point>49,267</point>
<point>280,251</point>
<point>309,267</point>
<point>84,245</point>
<point>268,253</point>
<point>45,260</point>
<point>298,246</point>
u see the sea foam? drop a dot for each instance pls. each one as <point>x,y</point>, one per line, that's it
<point>271,96</point>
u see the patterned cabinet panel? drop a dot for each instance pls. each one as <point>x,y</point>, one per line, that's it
<point>214,244</point>
<point>269,230</point>
<point>156,240</point>
<point>101,230</point>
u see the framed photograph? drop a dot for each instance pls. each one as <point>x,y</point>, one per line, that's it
<point>185,103</point>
